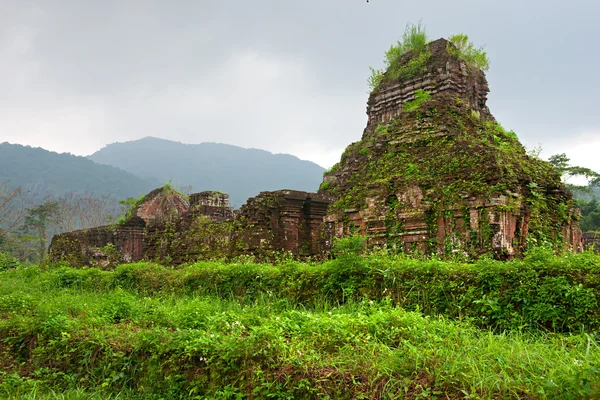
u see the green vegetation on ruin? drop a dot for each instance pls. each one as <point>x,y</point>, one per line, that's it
<point>414,44</point>
<point>459,46</point>
<point>368,326</point>
<point>409,56</point>
<point>452,154</point>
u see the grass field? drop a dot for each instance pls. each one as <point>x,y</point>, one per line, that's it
<point>356,327</point>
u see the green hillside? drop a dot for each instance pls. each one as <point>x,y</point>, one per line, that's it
<point>41,172</point>
<point>242,173</point>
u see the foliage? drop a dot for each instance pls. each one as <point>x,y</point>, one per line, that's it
<point>463,48</point>
<point>414,40</point>
<point>421,96</point>
<point>472,157</point>
<point>249,330</point>
<point>325,185</point>
<point>12,208</point>
<point>349,247</point>
<point>561,163</point>
<point>83,211</point>
<point>375,78</point>
<point>127,206</point>
<point>547,292</point>
<point>8,263</point>
<point>590,215</point>
<point>37,220</point>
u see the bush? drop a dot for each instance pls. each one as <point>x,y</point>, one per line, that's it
<point>463,48</point>
<point>421,96</point>
<point>542,292</point>
<point>7,262</point>
<point>415,40</point>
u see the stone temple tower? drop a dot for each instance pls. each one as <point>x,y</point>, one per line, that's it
<point>435,173</point>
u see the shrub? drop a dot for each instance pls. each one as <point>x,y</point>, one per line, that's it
<point>463,48</point>
<point>415,40</point>
<point>7,262</point>
<point>421,96</point>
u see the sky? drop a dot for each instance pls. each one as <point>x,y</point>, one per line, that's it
<point>287,76</point>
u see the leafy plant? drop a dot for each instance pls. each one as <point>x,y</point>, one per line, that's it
<point>421,96</point>
<point>325,185</point>
<point>414,40</point>
<point>459,46</point>
<point>350,246</point>
<point>7,262</point>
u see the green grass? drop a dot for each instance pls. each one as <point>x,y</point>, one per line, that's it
<point>233,331</point>
<point>541,292</point>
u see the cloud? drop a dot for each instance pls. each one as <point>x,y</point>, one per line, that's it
<point>283,76</point>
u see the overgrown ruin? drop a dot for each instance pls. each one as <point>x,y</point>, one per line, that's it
<point>434,173</point>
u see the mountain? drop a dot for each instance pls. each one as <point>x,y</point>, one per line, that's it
<point>242,173</point>
<point>41,171</point>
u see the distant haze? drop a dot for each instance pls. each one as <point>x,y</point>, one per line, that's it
<point>241,173</point>
<point>284,76</point>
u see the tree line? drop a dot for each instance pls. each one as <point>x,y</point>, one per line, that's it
<point>28,223</point>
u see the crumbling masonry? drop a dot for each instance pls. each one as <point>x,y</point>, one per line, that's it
<point>433,173</point>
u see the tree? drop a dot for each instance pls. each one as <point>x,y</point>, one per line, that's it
<point>37,221</point>
<point>83,211</point>
<point>590,215</point>
<point>590,210</point>
<point>567,171</point>
<point>12,208</point>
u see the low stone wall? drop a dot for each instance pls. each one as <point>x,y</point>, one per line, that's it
<point>271,223</point>
<point>99,246</point>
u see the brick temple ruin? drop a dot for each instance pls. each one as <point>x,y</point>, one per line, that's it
<point>433,175</point>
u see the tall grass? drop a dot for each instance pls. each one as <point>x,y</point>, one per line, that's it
<point>158,333</point>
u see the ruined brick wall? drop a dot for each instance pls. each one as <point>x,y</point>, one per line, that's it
<point>271,223</point>
<point>404,222</point>
<point>160,205</point>
<point>202,232</point>
<point>214,205</point>
<point>442,175</point>
<point>445,74</point>
<point>285,220</point>
<point>89,246</point>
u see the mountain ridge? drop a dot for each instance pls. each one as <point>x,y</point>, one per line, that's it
<point>40,172</point>
<point>238,171</point>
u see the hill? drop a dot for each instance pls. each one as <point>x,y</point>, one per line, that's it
<point>240,172</point>
<point>41,172</point>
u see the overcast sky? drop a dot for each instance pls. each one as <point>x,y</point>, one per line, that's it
<point>288,76</point>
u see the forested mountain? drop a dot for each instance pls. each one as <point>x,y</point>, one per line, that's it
<point>240,172</point>
<point>42,172</point>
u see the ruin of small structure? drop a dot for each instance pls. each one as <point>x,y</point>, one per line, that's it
<point>205,228</point>
<point>434,172</point>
